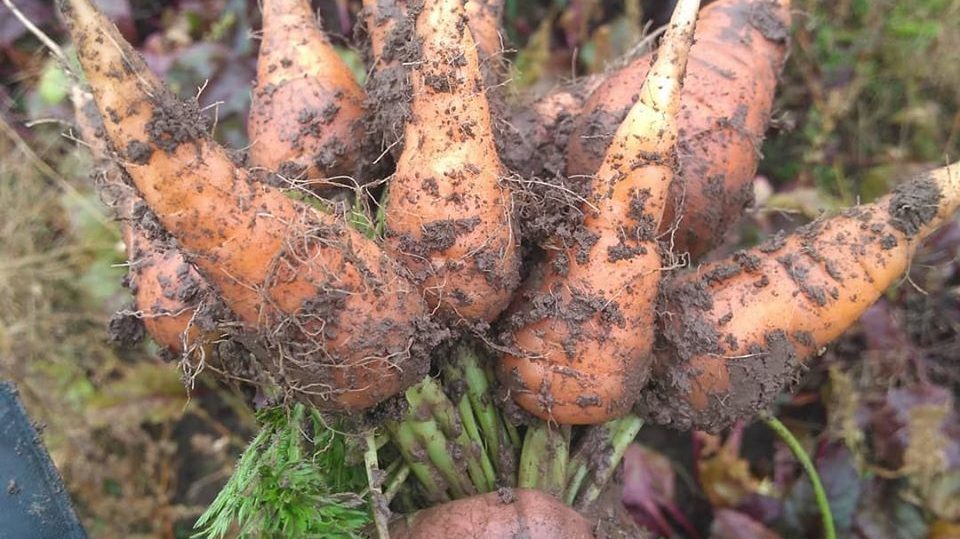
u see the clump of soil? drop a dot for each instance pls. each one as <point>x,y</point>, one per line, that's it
<point>914,204</point>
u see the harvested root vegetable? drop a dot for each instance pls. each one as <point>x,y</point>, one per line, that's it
<point>394,46</point>
<point>505,514</point>
<point>725,106</point>
<point>585,337</point>
<point>167,289</point>
<point>739,329</point>
<point>305,118</point>
<point>330,315</point>
<point>448,215</point>
<point>534,142</point>
<point>483,17</point>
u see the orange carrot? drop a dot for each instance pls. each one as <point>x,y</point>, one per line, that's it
<point>725,106</point>
<point>329,313</point>
<point>508,513</point>
<point>483,17</point>
<point>305,118</point>
<point>167,290</point>
<point>584,341</point>
<point>448,214</point>
<point>739,328</point>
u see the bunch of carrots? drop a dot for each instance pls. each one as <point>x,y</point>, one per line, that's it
<point>604,321</point>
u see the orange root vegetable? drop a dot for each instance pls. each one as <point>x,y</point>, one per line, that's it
<point>726,104</point>
<point>534,142</point>
<point>738,329</point>
<point>448,214</point>
<point>483,17</point>
<point>505,514</point>
<point>585,338</point>
<point>305,118</point>
<point>336,316</point>
<point>167,290</point>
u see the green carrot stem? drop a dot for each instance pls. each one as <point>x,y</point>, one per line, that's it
<point>429,393</point>
<point>396,482</point>
<point>574,483</point>
<point>435,443</point>
<point>415,456</point>
<point>479,423</point>
<point>378,505</point>
<point>512,433</point>
<point>469,421</point>
<point>502,439</point>
<point>478,391</point>
<point>819,494</point>
<point>622,433</point>
<point>543,459</point>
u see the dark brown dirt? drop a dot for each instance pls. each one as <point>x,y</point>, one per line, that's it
<point>437,236</point>
<point>175,122</point>
<point>756,381</point>
<point>575,314</point>
<point>684,329</point>
<point>763,17</point>
<point>914,204</point>
<point>532,142</point>
<point>125,328</point>
<point>388,90</point>
<point>610,518</point>
<point>138,152</point>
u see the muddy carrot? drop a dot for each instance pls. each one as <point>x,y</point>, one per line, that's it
<point>584,340</point>
<point>449,212</point>
<point>305,118</point>
<point>739,329</point>
<point>725,107</point>
<point>327,311</point>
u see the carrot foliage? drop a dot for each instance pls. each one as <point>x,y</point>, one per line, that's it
<point>293,480</point>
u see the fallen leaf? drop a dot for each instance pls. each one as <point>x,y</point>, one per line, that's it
<point>729,524</point>
<point>884,514</point>
<point>724,475</point>
<point>649,490</point>
<point>842,483</point>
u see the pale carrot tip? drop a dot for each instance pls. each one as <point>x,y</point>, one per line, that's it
<point>661,88</point>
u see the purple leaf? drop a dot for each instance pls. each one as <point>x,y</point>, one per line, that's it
<point>730,524</point>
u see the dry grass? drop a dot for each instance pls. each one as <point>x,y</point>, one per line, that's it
<point>139,456</point>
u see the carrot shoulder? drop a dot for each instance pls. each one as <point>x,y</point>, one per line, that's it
<point>584,341</point>
<point>335,314</point>
<point>305,118</point>
<point>725,107</point>
<point>739,329</point>
<point>448,213</point>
